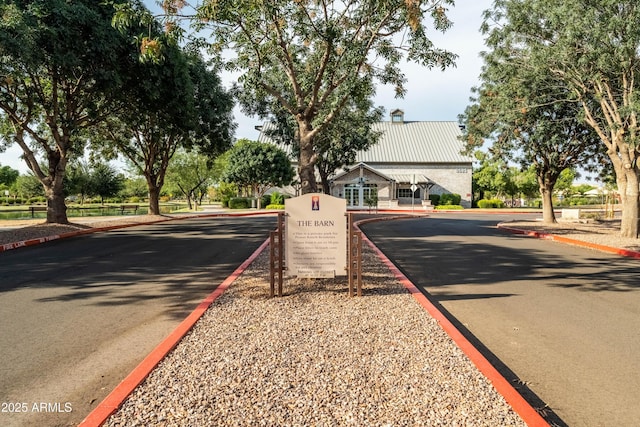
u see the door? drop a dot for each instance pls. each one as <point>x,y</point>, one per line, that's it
<point>352,195</point>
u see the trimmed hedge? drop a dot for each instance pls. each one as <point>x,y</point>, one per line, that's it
<point>492,203</point>
<point>450,199</point>
<point>239,203</point>
<point>449,207</point>
<point>274,206</point>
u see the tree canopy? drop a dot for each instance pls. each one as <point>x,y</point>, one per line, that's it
<point>592,47</point>
<point>528,116</point>
<point>179,103</point>
<point>258,165</point>
<point>62,65</point>
<point>191,173</point>
<point>312,57</point>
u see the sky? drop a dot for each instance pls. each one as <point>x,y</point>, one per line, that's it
<point>432,95</point>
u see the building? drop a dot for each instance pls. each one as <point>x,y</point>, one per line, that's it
<point>412,160</point>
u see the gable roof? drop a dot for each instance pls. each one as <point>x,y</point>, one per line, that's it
<point>342,174</point>
<point>416,142</point>
<point>406,142</point>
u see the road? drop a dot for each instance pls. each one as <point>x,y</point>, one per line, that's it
<point>562,321</point>
<point>79,314</point>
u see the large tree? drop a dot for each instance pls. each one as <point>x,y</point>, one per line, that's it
<point>351,131</point>
<point>312,57</point>
<point>592,46</point>
<point>61,65</point>
<point>181,104</point>
<point>528,115</point>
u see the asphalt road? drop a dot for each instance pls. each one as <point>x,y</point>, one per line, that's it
<point>558,320</point>
<point>79,314</point>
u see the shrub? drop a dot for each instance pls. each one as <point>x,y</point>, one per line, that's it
<point>492,203</point>
<point>450,199</point>
<point>274,206</point>
<point>581,201</point>
<point>239,203</point>
<point>277,198</point>
<point>435,199</point>
<point>449,207</point>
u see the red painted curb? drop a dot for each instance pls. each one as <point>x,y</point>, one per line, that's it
<point>31,242</point>
<point>113,401</point>
<point>528,414</point>
<point>555,238</point>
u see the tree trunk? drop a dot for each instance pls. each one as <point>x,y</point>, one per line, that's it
<point>324,180</point>
<point>548,215</point>
<point>628,187</point>
<point>307,160</point>
<point>154,199</point>
<point>56,207</point>
<point>54,190</point>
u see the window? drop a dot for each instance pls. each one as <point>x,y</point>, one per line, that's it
<point>406,193</point>
<point>369,191</point>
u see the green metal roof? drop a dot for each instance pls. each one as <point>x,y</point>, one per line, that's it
<point>409,142</point>
<point>416,142</point>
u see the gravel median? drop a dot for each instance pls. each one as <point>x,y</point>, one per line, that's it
<point>316,357</point>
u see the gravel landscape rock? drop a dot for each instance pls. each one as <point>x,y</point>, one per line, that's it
<point>316,357</point>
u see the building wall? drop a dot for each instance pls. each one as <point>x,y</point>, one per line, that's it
<point>450,178</point>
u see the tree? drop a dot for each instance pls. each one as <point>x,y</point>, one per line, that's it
<point>77,180</point>
<point>313,57</point>
<point>259,166</point>
<point>8,175</point>
<point>105,181</point>
<point>61,64</point>
<point>528,116</point>
<point>181,104</point>
<point>490,176</point>
<point>527,183</point>
<point>592,47</point>
<point>29,186</point>
<point>338,145</point>
<point>191,173</point>
<point>134,188</point>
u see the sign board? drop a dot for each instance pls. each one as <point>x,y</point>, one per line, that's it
<point>316,236</point>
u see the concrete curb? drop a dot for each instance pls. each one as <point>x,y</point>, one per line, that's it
<point>528,414</point>
<point>555,238</point>
<point>113,401</point>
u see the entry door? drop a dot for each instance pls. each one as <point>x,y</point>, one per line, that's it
<point>352,194</point>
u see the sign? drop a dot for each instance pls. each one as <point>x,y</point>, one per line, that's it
<point>316,236</point>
